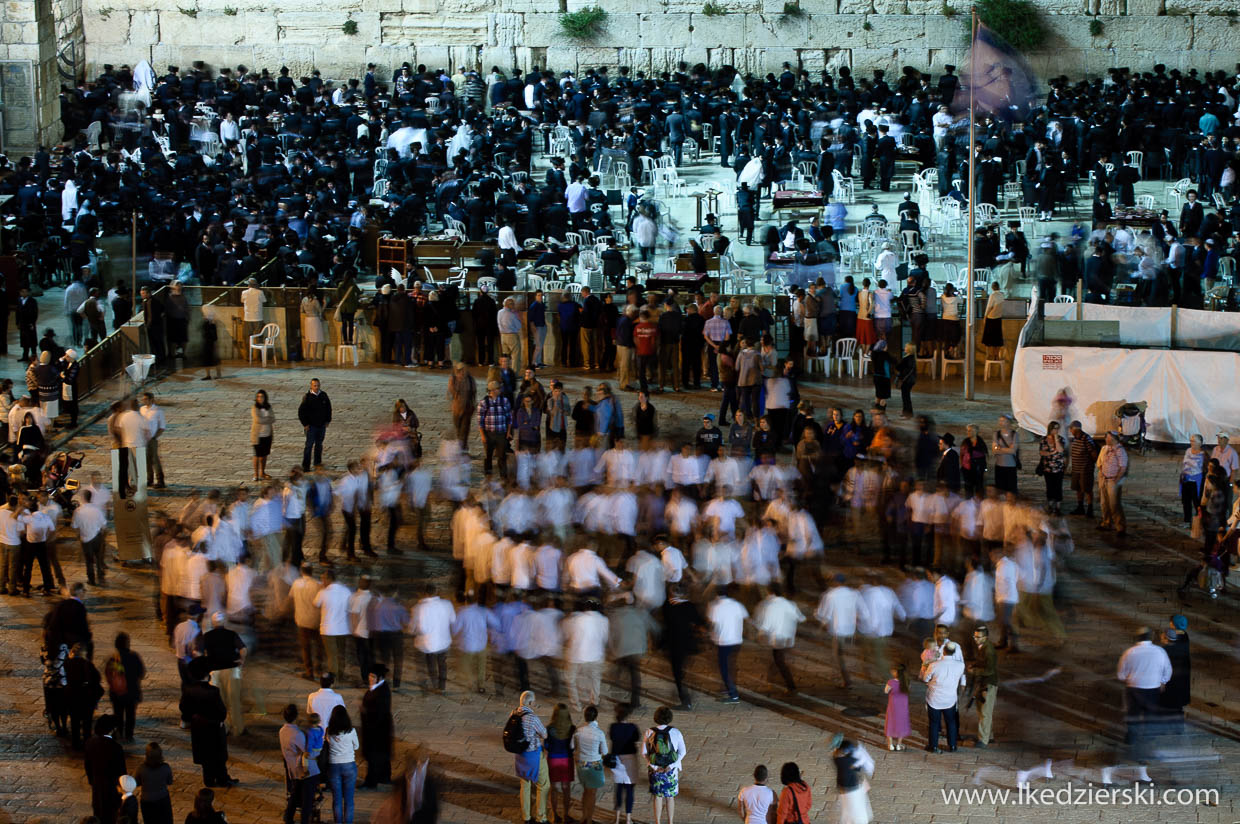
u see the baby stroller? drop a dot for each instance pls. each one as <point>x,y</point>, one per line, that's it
<point>1130,424</point>
<point>56,481</point>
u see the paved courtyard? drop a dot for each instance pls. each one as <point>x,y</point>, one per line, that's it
<point>1071,718</point>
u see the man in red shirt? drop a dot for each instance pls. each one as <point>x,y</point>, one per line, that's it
<point>646,343</point>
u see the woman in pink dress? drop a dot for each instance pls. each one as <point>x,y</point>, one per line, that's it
<point>897,709</point>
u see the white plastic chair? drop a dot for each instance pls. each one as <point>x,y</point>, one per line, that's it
<point>1145,201</point>
<point>846,350</point>
<point>490,284</point>
<point>1136,161</point>
<point>265,340</point>
<point>1064,299</point>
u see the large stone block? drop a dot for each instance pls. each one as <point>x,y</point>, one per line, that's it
<point>856,6</point>
<point>15,11</point>
<point>1124,34</point>
<point>143,28</point>
<point>100,28</point>
<point>890,7</point>
<point>947,32</point>
<point>637,59</point>
<point>432,30</point>
<point>599,56</point>
<point>731,6</point>
<point>326,28</point>
<point>717,58</point>
<point>501,56</point>
<point>1195,6</point>
<point>504,29</point>
<point>775,31</point>
<point>895,31</point>
<point>665,59</point>
<point>715,32</point>
<point>836,30</point>
<point>299,59</point>
<point>1211,34</point>
<point>661,30</point>
<point>1146,7</point>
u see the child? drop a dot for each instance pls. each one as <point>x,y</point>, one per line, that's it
<point>929,654</point>
<point>624,787</point>
<point>314,738</point>
<point>897,705</point>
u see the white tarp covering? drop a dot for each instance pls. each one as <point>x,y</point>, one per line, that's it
<point>1188,392</point>
<point>1151,326</point>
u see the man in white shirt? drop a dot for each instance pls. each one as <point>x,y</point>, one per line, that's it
<point>586,633</point>
<point>156,423</point>
<point>776,619</point>
<point>306,616</point>
<point>727,620</point>
<point>1007,596</point>
<point>324,699</point>
<point>333,604</point>
<point>840,610</point>
<point>431,626</point>
<point>585,572</point>
<point>881,609</point>
<point>754,802</point>
<point>90,522</point>
<point>1226,456</point>
<point>724,510</point>
<point>359,624</point>
<point>252,300</point>
<point>11,538</point>
<point>944,678</point>
<point>946,598</point>
<point>1145,669</point>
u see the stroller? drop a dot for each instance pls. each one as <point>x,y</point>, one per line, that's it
<point>1130,424</point>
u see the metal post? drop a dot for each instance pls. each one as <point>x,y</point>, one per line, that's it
<point>970,342</point>
<point>133,256</point>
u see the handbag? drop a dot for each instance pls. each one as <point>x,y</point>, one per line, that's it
<point>1041,467</point>
<point>1198,531</point>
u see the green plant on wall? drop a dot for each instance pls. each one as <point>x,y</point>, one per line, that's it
<point>583,24</point>
<point>230,11</point>
<point>793,9</point>
<point>1095,28</point>
<point>191,12</point>
<point>948,10</point>
<point>349,27</point>
<point>867,26</point>
<point>713,10</point>
<point>1016,21</point>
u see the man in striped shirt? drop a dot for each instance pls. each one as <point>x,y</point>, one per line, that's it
<point>1083,453</point>
<point>717,332</point>
<point>1113,469</point>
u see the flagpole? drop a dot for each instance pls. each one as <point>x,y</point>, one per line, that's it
<point>970,344</point>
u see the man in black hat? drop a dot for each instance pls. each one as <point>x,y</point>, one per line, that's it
<point>376,728</point>
<point>202,708</point>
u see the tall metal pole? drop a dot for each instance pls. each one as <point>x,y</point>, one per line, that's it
<point>133,256</point>
<point>970,342</point>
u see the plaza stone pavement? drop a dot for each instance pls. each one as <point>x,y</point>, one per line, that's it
<point>1072,717</point>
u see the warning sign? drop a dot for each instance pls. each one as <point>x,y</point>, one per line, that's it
<point>1054,362</point>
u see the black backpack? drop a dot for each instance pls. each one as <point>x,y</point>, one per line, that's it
<point>514,734</point>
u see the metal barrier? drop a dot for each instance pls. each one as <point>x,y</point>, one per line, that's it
<point>108,358</point>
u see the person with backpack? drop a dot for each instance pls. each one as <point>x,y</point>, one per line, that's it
<point>124,672</point>
<point>663,748</point>
<point>524,734</point>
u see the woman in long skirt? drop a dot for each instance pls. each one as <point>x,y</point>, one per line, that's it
<point>314,332</point>
<point>853,768</point>
<point>992,327</point>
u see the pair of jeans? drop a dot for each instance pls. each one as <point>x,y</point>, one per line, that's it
<point>1190,494</point>
<point>951,716</point>
<point>341,778</point>
<point>436,669</point>
<point>314,444</point>
<point>540,341</point>
<point>727,659</point>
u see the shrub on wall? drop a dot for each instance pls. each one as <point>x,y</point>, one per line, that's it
<point>583,24</point>
<point>1016,21</point>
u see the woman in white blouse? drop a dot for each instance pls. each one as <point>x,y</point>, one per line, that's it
<point>340,746</point>
<point>992,328</point>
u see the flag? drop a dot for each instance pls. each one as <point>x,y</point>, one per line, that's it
<point>999,76</point>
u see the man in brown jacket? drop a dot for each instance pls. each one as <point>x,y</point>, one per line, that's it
<point>462,393</point>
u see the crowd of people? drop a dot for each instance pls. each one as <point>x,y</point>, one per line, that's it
<point>584,550</point>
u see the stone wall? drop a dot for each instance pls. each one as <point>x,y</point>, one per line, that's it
<point>652,35</point>
<point>36,30</point>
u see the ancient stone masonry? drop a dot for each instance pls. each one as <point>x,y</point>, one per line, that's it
<point>652,35</point>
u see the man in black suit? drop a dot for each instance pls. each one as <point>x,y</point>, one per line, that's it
<point>885,151</point>
<point>1102,210</point>
<point>105,764</point>
<point>68,623</point>
<point>826,165</point>
<point>376,728</point>
<point>1190,216</point>
<point>27,313</point>
<point>203,709</point>
<point>949,462</point>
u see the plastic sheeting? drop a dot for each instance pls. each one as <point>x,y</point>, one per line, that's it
<point>1188,392</point>
<point>1151,326</point>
